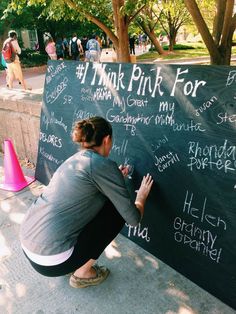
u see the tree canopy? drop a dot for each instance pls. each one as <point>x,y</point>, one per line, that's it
<point>214,19</point>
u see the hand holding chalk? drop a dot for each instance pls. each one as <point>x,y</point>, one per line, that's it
<point>125,171</point>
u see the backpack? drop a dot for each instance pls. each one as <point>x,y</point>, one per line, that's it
<point>8,52</point>
<point>59,49</point>
<point>74,47</point>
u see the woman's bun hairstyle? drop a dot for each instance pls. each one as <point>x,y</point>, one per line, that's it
<point>92,131</point>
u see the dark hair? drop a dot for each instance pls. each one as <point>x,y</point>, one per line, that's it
<point>12,34</point>
<point>92,131</point>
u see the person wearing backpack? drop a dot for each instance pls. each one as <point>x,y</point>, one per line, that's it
<point>94,49</point>
<point>60,48</point>
<point>75,47</point>
<point>11,51</point>
<point>66,47</point>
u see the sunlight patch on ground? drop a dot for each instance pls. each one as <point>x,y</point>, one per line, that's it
<point>182,310</point>
<point>111,251</point>
<point>17,217</point>
<point>5,206</point>
<point>20,290</point>
<point>4,249</point>
<point>153,261</point>
<point>177,293</point>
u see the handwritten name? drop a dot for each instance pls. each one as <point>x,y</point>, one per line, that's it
<point>49,156</point>
<point>53,120</point>
<point>160,142</point>
<point>165,161</point>
<point>205,106</point>
<point>52,97</point>
<point>50,139</point>
<point>211,157</point>
<point>52,72</point>
<point>191,234</point>
<point>224,117</point>
<point>138,231</point>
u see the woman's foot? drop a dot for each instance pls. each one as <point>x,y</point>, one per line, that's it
<point>98,275</point>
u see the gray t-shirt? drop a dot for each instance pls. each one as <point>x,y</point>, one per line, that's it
<point>74,196</point>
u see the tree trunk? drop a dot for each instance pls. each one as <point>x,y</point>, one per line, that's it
<point>123,53</point>
<point>172,39</point>
<point>156,43</point>
<point>121,27</point>
<point>153,38</point>
<point>220,53</point>
<point>203,29</point>
<point>219,20</point>
<point>225,51</point>
<point>120,39</point>
<point>171,44</point>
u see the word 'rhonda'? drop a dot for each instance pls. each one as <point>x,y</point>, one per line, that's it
<point>140,82</point>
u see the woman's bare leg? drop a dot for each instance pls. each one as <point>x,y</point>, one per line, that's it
<point>86,271</point>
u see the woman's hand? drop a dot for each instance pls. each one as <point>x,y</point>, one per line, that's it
<point>124,170</point>
<point>144,189</point>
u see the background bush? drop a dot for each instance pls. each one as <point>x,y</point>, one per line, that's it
<point>176,47</point>
<point>31,58</point>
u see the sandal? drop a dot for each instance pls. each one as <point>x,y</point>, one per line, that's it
<point>101,274</point>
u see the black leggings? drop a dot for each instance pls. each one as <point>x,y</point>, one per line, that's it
<point>91,242</point>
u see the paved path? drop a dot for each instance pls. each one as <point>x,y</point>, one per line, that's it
<point>34,77</point>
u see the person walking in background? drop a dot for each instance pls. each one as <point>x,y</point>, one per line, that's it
<point>140,41</point>
<point>75,47</point>
<point>132,44</point>
<point>60,49</point>
<point>51,49</point>
<point>14,70</point>
<point>144,42</point>
<point>99,40</point>
<point>82,210</point>
<point>93,49</point>
<point>66,47</point>
<point>84,41</point>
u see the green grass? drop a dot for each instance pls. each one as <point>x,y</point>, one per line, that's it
<point>187,51</point>
<point>196,50</point>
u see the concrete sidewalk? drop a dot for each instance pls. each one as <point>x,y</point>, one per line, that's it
<point>34,78</point>
<point>139,283</point>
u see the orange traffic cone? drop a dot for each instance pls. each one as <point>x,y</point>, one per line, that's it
<point>14,179</point>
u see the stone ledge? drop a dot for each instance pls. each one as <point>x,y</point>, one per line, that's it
<point>20,121</point>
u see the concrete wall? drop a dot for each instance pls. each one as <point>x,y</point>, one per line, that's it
<point>20,121</point>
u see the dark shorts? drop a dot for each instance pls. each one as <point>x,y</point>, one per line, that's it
<point>91,242</point>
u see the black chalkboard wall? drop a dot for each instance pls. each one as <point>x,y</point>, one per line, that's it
<point>178,123</point>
